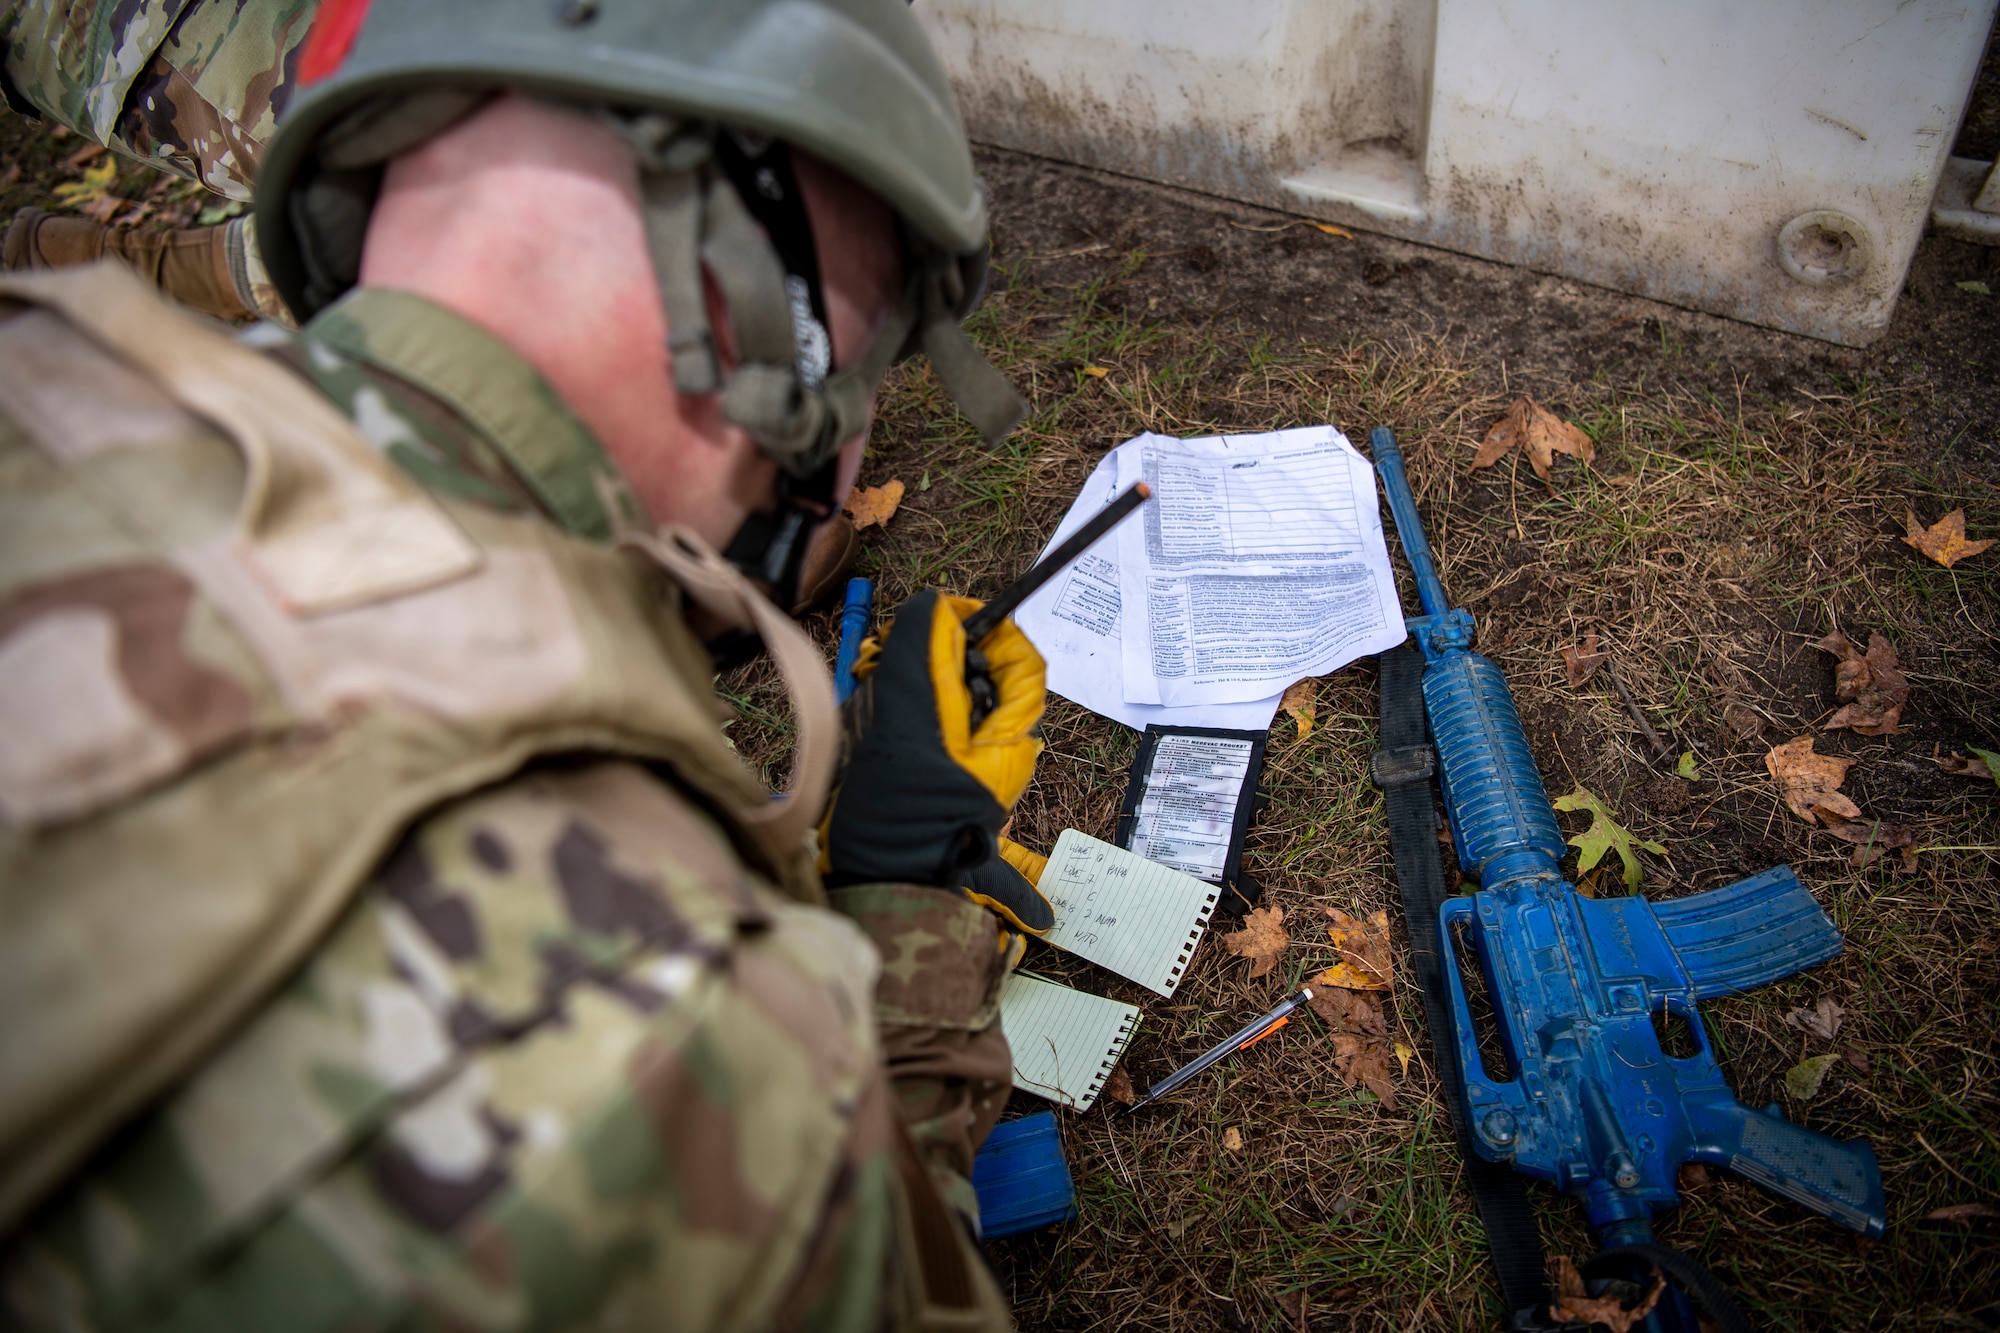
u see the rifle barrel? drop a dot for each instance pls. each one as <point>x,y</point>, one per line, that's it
<point>1403,504</point>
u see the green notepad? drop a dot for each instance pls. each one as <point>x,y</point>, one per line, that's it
<point>1121,911</point>
<point>1065,1042</point>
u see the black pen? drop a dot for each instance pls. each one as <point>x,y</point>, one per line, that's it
<point>981,623</point>
<point>987,618</point>
<point>1249,1036</point>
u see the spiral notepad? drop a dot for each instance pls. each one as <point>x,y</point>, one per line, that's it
<point>1123,912</point>
<point>1065,1042</point>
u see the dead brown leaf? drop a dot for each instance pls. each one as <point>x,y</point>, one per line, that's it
<point>1364,951</point>
<point>11,174</point>
<point>1581,663</point>
<point>1810,782</point>
<point>1262,940</point>
<point>1354,1011</point>
<point>1859,1059</point>
<point>1572,1301</point>
<point>1822,1020</point>
<point>1364,1060</point>
<point>1299,701</point>
<point>1536,432</point>
<point>90,152</point>
<point>1870,684</point>
<point>1873,838</point>
<point>1944,541</point>
<point>1742,719</point>
<point>1119,1087</point>
<point>101,209</point>
<point>1296,1305</point>
<point>873,505</point>
<point>1359,1033</point>
<point>1964,766</point>
<point>1963,1214</point>
<point>1691,1177</point>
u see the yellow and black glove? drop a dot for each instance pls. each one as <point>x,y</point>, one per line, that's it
<point>1008,887</point>
<point>924,796</point>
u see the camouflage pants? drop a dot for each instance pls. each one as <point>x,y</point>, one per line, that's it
<point>190,86</point>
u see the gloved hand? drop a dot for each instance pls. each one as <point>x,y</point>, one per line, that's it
<point>1008,887</point>
<point>924,796</point>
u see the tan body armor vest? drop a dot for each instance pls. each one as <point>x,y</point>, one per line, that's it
<point>240,654</point>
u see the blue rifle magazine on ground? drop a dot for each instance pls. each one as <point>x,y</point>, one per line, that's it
<point>1021,1178</point>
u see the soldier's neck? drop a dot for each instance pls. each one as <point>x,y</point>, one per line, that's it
<point>525,219</point>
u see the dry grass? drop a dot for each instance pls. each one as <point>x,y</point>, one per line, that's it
<point>1712,543</point>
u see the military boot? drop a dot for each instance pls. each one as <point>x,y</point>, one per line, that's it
<point>207,268</point>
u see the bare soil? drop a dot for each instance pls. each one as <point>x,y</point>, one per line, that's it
<point>1522,331</point>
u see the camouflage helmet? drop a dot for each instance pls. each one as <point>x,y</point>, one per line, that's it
<point>703,89</point>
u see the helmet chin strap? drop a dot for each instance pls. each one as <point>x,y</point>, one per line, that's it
<point>771,547</point>
<point>728,204</point>
<point>731,203</point>
<point>720,204</point>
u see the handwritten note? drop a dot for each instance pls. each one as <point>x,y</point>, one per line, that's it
<point>1123,912</point>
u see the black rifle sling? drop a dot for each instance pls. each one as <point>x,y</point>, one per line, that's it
<point>1403,769</point>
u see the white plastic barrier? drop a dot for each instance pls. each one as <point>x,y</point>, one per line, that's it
<point>1770,160</point>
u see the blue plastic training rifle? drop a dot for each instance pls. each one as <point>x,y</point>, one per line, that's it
<point>1589,1101</point>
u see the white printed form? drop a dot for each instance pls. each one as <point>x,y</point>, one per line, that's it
<point>1187,815</point>
<point>1260,560</point>
<point>1123,912</point>
<point>1077,625</point>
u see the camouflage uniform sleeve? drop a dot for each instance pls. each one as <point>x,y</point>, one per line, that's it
<point>565,1062</point>
<point>937,1002</point>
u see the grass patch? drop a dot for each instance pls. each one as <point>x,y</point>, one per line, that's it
<point>1715,540</point>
